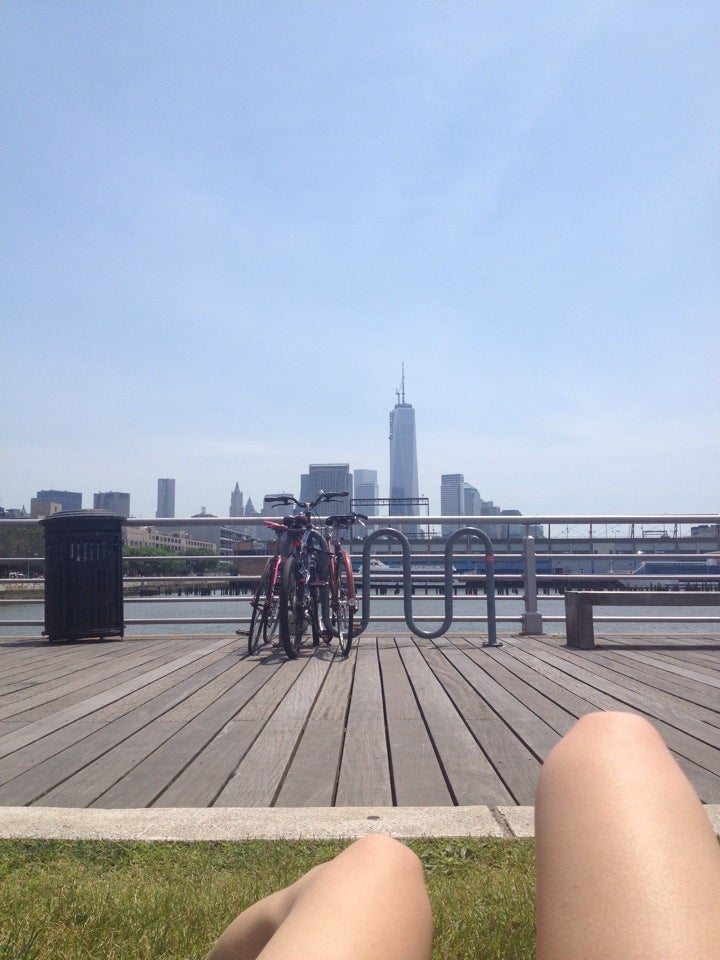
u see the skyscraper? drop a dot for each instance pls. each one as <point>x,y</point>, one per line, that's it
<point>118,503</point>
<point>452,499</point>
<point>473,501</point>
<point>68,499</point>
<point>403,458</point>
<point>165,498</point>
<point>365,485</point>
<point>237,508</point>
<point>332,478</point>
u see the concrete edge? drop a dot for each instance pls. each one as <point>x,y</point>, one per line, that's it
<point>189,824</point>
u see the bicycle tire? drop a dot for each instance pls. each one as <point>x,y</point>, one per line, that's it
<point>344,602</point>
<point>291,619</point>
<point>270,622</point>
<point>272,604</point>
<point>255,630</point>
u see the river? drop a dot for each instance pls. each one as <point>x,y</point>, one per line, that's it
<point>386,613</point>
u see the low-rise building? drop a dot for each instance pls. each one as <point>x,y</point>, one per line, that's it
<point>176,540</point>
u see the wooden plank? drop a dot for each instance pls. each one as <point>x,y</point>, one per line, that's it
<point>152,706</point>
<point>417,778</point>
<point>311,779</point>
<point>41,728</point>
<point>201,781</point>
<point>641,681</point>
<point>146,748</point>
<point>365,768</point>
<point>259,775</point>
<point>92,748</point>
<point>472,778</point>
<point>601,695</point>
<point>538,736</point>
<point>77,680</point>
<point>537,675</point>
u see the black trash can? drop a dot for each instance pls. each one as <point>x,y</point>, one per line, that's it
<point>83,575</point>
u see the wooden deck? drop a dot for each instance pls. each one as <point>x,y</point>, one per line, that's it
<point>195,722</point>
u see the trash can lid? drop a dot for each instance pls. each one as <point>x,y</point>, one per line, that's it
<point>75,517</point>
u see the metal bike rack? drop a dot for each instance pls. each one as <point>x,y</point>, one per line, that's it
<point>391,534</point>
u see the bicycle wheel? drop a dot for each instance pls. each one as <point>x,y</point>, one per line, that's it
<point>255,630</point>
<point>291,617</point>
<point>343,603</point>
<point>272,604</point>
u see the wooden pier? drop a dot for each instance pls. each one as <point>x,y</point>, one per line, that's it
<point>193,721</point>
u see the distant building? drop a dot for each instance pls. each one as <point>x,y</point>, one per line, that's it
<point>39,509</point>
<point>452,499</point>
<point>365,485</point>
<point>490,510</point>
<point>332,478</point>
<point>165,498</point>
<point>178,541</point>
<point>236,502</point>
<point>67,499</point>
<point>14,513</point>
<point>254,531</point>
<point>473,501</point>
<point>403,459</point>
<point>118,503</point>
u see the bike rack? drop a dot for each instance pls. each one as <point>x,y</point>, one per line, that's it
<point>392,534</point>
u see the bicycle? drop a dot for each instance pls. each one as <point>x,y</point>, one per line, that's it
<point>304,576</point>
<point>266,600</point>
<point>343,604</point>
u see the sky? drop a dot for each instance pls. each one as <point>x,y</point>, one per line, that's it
<point>226,227</point>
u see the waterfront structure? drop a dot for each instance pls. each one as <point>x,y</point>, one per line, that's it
<point>403,458</point>
<point>165,497</point>
<point>68,499</point>
<point>330,477</point>
<point>118,503</point>
<point>452,499</point>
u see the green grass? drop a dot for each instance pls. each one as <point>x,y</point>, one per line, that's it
<point>168,901</point>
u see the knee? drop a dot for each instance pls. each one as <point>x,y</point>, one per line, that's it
<point>596,731</point>
<point>380,852</point>
<point>598,739</point>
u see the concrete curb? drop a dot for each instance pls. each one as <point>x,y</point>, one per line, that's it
<point>274,823</point>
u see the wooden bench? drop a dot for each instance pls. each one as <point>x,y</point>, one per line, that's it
<point>579,604</point>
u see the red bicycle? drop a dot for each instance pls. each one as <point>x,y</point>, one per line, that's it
<point>342,600</point>
<point>266,600</point>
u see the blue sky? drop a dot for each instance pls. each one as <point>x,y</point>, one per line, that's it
<point>227,225</point>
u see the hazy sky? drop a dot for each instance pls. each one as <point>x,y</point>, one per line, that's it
<point>227,224</point>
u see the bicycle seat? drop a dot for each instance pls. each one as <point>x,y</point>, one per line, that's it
<point>296,521</point>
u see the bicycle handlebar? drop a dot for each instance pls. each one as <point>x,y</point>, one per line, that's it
<point>306,507</point>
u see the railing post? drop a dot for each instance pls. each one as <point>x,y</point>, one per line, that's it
<point>531,618</point>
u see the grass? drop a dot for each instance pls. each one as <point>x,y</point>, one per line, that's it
<point>76,900</point>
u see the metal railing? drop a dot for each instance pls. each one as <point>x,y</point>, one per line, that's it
<point>541,574</point>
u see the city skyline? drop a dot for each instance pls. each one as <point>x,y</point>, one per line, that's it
<point>224,231</point>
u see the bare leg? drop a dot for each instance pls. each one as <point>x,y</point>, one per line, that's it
<point>627,863</point>
<point>369,902</point>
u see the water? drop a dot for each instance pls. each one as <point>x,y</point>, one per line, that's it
<point>236,611</point>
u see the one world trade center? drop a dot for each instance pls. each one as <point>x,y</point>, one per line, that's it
<point>403,459</point>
